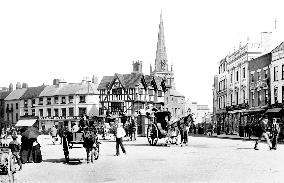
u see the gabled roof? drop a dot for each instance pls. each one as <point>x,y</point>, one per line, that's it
<point>4,94</point>
<point>16,94</point>
<point>105,82</point>
<point>32,92</point>
<point>69,89</point>
<point>129,80</point>
<point>278,48</point>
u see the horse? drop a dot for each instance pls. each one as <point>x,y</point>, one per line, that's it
<point>91,144</point>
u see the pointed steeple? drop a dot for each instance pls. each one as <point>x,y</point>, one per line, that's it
<point>161,62</point>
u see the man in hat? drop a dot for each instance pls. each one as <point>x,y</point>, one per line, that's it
<point>120,133</point>
<point>53,133</point>
<point>15,147</point>
<point>261,132</point>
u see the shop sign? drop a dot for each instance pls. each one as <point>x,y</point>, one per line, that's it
<point>60,118</point>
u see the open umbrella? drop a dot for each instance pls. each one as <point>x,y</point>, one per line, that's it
<point>31,133</point>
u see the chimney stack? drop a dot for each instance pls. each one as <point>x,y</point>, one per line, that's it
<point>10,87</point>
<point>18,85</point>
<point>95,79</point>
<point>137,66</point>
<point>25,85</point>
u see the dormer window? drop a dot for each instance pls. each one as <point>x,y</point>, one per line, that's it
<point>63,100</point>
<point>70,99</point>
<point>56,101</point>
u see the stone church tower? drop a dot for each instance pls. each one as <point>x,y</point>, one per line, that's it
<point>161,68</point>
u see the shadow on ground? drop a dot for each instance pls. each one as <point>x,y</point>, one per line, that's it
<point>72,161</point>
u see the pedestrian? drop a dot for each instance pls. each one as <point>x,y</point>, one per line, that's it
<point>37,157</point>
<point>15,147</point>
<point>75,128</point>
<point>275,129</point>
<point>133,129</point>
<point>53,133</point>
<point>120,133</point>
<point>261,128</point>
<point>60,133</point>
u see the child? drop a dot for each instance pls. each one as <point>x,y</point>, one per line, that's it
<point>15,147</point>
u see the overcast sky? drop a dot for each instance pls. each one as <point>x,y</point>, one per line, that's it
<point>43,40</point>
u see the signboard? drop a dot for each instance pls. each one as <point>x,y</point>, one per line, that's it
<point>60,118</point>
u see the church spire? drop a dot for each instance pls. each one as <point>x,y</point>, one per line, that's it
<point>161,62</point>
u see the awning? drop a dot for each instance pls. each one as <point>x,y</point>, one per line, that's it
<point>273,110</point>
<point>26,122</point>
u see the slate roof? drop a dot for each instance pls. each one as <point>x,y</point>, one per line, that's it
<point>32,92</point>
<point>3,95</point>
<point>16,94</point>
<point>106,80</point>
<point>278,48</point>
<point>69,89</point>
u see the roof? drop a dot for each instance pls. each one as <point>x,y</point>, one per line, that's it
<point>69,89</point>
<point>3,95</point>
<point>16,94</point>
<point>129,80</point>
<point>278,48</point>
<point>32,92</point>
<point>173,92</point>
<point>105,82</point>
<point>273,110</point>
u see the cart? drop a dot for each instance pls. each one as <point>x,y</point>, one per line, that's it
<point>86,137</point>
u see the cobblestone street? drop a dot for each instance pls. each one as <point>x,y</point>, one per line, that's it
<point>203,160</point>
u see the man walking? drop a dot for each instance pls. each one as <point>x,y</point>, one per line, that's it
<point>261,132</point>
<point>53,133</point>
<point>120,133</point>
<point>275,129</point>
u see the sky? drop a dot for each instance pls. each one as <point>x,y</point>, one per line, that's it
<point>44,40</point>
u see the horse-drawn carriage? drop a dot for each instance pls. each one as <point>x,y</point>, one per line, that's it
<point>161,126</point>
<point>86,136</point>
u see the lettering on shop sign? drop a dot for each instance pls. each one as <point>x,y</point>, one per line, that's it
<point>61,117</point>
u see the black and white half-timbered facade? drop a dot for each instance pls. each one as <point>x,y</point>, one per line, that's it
<point>130,93</point>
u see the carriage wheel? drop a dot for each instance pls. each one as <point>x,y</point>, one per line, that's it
<point>152,134</point>
<point>65,148</point>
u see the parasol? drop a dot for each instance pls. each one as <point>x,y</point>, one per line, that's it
<point>31,133</point>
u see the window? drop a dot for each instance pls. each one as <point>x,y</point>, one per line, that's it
<point>160,94</point>
<point>252,99</point>
<point>265,73</point>
<point>25,103</point>
<point>17,106</point>
<point>40,112</point>
<point>33,112</point>
<point>237,98</point>
<point>63,111</point>
<point>231,99</point>
<point>252,75</point>
<point>282,94</point>
<point>71,111</point>
<point>275,73</point>
<point>82,99</point>
<point>244,72</point>
<point>26,112</point>
<point>63,100</point>
<point>258,76</point>
<point>258,98</point>
<point>56,101</point>
<point>237,75</point>
<point>17,117</point>
<point>49,112</point>
<point>82,111</point>
<point>70,99</point>
<point>282,72</point>
<point>56,113</point>
<point>33,102</point>
<point>40,101</point>
<point>266,96</point>
<point>244,96</point>
<point>48,101</point>
<point>231,77</point>
<point>275,95</point>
